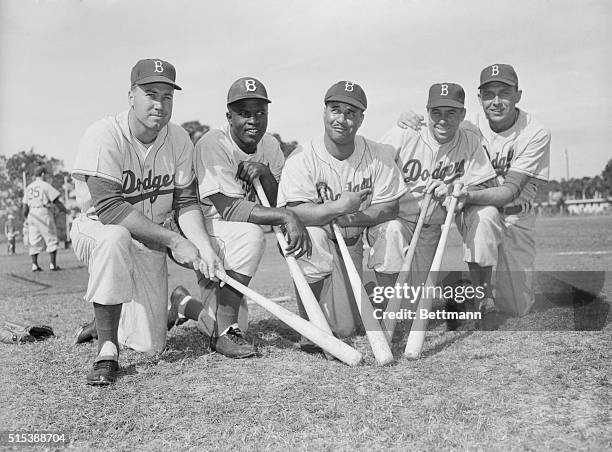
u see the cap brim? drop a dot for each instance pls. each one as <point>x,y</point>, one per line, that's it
<point>498,79</point>
<point>158,79</point>
<point>445,103</point>
<point>347,100</point>
<point>250,96</point>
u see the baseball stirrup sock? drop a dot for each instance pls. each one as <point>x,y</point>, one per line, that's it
<point>190,307</point>
<point>229,305</point>
<point>107,323</point>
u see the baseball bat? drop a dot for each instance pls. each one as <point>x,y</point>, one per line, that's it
<point>376,337</point>
<point>395,303</point>
<point>26,240</point>
<point>311,305</point>
<point>326,341</point>
<point>416,337</point>
<point>66,215</point>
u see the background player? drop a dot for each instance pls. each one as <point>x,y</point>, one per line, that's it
<point>11,233</point>
<point>38,201</point>
<point>227,161</point>
<point>364,184</point>
<point>131,170</point>
<point>519,149</point>
<point>432,159</point>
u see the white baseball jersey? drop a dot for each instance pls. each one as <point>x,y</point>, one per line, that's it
<point>42,233</point>
<point>217,158</point>
<point>371,166</point>
<point>148,174</point>
<point>524,148</point>
<point>130,273</point>
<point>40,194</point>
<point>421,158</point>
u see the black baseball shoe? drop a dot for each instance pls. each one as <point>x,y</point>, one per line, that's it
<point>307,346</point>
<point>176,297</point>
<point>55,268</point>
<point>86,333</point>
<point>36,268</point>
<point>103,373</point>
<point>233,344</point>
<point>487,306</point>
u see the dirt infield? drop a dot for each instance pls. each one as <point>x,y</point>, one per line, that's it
<point>539,382</point>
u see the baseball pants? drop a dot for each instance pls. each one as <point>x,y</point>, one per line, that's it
<point>123,270</point>
<point>41,231</point>
<point>516,265</point>
<point>325,264</point>
<point>507,242</point>
<point>389,243</point>
<point>241,246</point>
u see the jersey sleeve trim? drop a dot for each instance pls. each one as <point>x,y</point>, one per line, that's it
<point>397,195</point>
<point>530,174</point>
<point>295,199</point>
<point>80,174</point>
<point>216,190</point>
<point>480,180</point>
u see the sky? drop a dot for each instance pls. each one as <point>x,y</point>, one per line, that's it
<point>66,63</point>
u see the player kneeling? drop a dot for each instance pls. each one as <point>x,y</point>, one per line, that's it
<point>227,162</point>
<point>131,170</point>
<point>431,160</point>
<point>363,184</point>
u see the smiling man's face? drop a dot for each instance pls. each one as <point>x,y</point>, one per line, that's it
<point>248,121</point>
<point>342,121</point>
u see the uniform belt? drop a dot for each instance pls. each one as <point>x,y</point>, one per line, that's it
<point>515,210</point>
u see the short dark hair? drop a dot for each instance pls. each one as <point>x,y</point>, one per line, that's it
<point>40,171</point>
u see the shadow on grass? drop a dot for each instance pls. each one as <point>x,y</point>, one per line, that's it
<point>189,343</point>
<point>446,342</point>
<point>579,292</point>
<point>273,333</point>
<point>186,343</point>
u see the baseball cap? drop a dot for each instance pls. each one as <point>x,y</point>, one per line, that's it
<point>39,171</point>
<point>446,95</point>
<point>498,73</point>
<point>348,92</point>
<point>154,71</point>
<point>247,88</point>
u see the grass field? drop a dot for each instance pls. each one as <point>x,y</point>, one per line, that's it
<point>534,384</point>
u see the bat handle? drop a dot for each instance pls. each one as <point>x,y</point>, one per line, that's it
<point>457,187</point>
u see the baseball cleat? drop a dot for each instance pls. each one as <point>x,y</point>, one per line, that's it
<point>177,295</point>
<point>55,268</point>
<point>307,346</point>
<point>233,344</point>
<point>36,268</point>
<point>103,373</point>
<point>86,333</point>
<point>487,306</point>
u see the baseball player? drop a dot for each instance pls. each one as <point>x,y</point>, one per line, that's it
<point>131,170</point>
<point>431,160</point>
<point>364,185</point>
<point>38,201</point>
<point>227,161</point>
<point>519,149</point>
<point>10,233</point>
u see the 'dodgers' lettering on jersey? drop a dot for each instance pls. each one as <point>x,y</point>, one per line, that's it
<point>413,170</point>
<point>153,185</point>
<point>502,163</point>
<point>365,183</point>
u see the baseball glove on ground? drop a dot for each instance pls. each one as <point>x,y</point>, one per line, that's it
<point>15,333</point>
